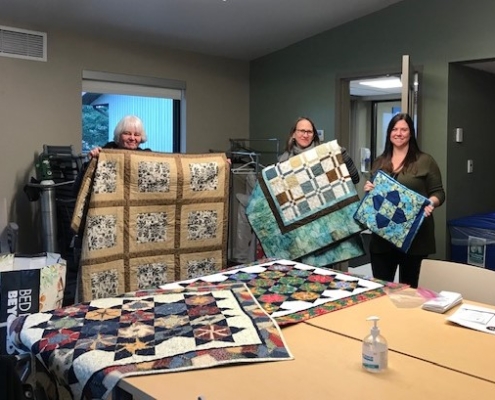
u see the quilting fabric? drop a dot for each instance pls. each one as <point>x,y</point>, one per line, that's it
<point>347,249</point>
<point>150,218</point>
<point>291,291</point>
<point>392,211</point>
<point>305,204</point>
<point>90,346</point>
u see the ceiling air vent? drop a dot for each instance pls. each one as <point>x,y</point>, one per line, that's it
<point>20,43</point>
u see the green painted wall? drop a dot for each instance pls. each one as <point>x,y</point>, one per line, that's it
<point>301,79</point>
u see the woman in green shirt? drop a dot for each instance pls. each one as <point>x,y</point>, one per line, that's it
<point>404,161</point>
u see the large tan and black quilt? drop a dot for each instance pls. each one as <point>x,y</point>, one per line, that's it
<point>150,218</point>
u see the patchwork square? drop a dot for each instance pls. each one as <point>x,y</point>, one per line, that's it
<point>103,280</point>
<point>153,176</point>
<point>202,223</point>
<point>151,271</point>
<point>199,264</point>
<point>392,211</point>
<point>204,176</point>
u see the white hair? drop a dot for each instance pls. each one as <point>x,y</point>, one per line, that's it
<point>126,123</point>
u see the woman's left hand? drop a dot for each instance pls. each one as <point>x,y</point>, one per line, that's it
<point>429,210</point>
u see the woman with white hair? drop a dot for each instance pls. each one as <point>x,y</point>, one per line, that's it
<point>128,134</point>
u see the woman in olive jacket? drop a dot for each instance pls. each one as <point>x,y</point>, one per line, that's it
<point>404,161</point>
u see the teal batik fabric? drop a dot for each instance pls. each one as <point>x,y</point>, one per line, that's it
<point>392,211</point>
<point>341,251</point>
<point>305,204</point>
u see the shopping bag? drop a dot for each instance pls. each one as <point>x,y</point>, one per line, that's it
<point>29,284</point>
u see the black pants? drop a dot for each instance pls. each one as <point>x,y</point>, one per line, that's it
<point>384,266</point>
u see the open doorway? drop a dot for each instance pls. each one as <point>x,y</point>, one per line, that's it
<point>365,105</point>
<point>363,113</point>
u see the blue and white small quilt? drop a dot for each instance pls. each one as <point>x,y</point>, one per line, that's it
<point>392,211</point>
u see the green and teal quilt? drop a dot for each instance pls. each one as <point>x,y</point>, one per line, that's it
<point>306,205</point>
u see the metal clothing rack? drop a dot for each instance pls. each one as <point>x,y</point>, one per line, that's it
<point>249,162</point>
<point>267,150</point>
<point>248,157</point>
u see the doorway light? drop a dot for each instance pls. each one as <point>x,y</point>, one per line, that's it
<point>383,83</point>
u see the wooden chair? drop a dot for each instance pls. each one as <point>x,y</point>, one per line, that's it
<point>474,283</point>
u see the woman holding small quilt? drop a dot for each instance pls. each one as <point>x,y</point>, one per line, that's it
<point>407,164</point>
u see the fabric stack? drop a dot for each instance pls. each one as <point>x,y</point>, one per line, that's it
<point>443,302</point>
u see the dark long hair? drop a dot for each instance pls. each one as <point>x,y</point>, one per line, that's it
<point>291,141</point>
<point>384,161</point>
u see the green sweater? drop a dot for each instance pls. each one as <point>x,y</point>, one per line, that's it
<point>426,180</point>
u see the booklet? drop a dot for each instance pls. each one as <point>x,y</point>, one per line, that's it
<point>443,302</point>
<point>474,317</point>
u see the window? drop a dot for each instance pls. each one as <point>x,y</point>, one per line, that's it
<point>106,98</point>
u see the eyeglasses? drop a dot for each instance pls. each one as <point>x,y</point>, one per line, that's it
<point>302,132</point>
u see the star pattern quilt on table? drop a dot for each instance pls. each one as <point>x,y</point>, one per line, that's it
<point>150,218</point>
<point>392,211</point>
<point>305,204</point>
<point>91,345</point>
<point>287,290</point>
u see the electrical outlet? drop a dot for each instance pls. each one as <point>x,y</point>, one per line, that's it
<point>470,166</point>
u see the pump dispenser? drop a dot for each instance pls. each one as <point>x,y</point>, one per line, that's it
<point>375,349</point>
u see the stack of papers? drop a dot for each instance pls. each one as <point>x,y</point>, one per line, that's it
<point>474,317</point>
<point>443,302</point>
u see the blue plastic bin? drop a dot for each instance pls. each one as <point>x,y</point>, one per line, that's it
<point>472,240</point>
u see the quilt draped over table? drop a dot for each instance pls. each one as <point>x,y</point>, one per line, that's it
<point>392,211</point>
<point>304,207</point>
<point>150,218</point>
<point>291,291</point>
<point>90,346</point>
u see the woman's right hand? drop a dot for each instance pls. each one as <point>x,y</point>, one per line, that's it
<point>368,186</point>
<point>95,152</point>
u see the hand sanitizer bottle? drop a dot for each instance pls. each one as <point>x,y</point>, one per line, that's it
<point>375,349</point>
